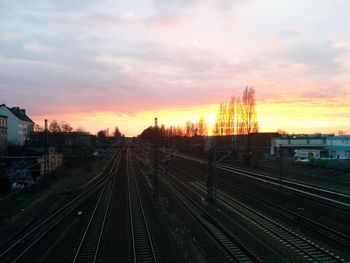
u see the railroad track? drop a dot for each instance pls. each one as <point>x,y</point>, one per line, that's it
<point>333,199</point>
<point>143,248</point>
<point>230,246</point>
<point>337,200</point>
<point>305,248</point>
<point>326,232</point>
<point>88,246</point>
<point>16,249</point>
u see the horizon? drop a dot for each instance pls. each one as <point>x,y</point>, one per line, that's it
<point>102,65</point>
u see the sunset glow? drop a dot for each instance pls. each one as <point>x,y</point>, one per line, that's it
<point>303,116</point>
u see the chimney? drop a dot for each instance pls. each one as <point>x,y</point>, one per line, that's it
<point>23,111</point>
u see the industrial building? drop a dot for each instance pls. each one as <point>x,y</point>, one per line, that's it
<point>290,143</point>
<point>338,147</point>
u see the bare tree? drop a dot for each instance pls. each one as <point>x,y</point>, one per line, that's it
<point>221,120</point>
<point>202,127</point>
<point>194,130</point>
<point>38,128</point>
<point>188,129</point>
<point>248,112</point>
<point>239,117</point>
<point>65,127</point>
<point>117,132</point>
<point>54,126</point>
<point>101,133</point>
<point>216,129</point>
<point>80,129</point>
<point>248,121</point>
<point>231,111</point>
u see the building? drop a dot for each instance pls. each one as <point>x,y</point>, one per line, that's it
<point>19,125</point>
<point>3,134</point>
<point>292,142</point>
<point>60,139</point>
<point>338,147</point>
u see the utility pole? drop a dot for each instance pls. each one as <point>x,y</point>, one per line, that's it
<point>46,154</point>
<point>211,186</point>
<point>281,172</point>
<point>155,160</point>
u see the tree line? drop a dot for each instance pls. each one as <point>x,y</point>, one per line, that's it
<point>190,129</point>
<point>56,126</point>
<point>65,127</point>
<point>238,116</point>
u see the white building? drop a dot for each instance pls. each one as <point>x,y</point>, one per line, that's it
<point>3,133</point>
<point>339,147</point>
<point>298,141</point>
<point>19,125</point>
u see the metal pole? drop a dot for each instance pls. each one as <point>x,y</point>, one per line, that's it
<point>281,172</point>
<point>211,186</point>
<point>46,157</point>
<point>155,159</point>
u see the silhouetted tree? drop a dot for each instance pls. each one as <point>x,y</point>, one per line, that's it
<point>188,131</point>
<point>101,136</point>
<point>117,132</point>
<point>248,118</point>
<point>221,122</point>
<point>65,127</point>
<point>38,128</point>
<point>202,127</point>
<point>80,129</point>
<point>231,111</point>
<point>54,126</point>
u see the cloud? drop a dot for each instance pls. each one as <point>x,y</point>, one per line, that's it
<point>319,58</point>
<point>175,13</point>
<point>288,34</point>
<point>129,57</point>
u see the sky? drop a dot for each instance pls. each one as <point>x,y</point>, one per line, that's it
<point>101,64</point>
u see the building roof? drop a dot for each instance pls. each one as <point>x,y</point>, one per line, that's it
<point>19,113</point>
<point>306,136</point>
